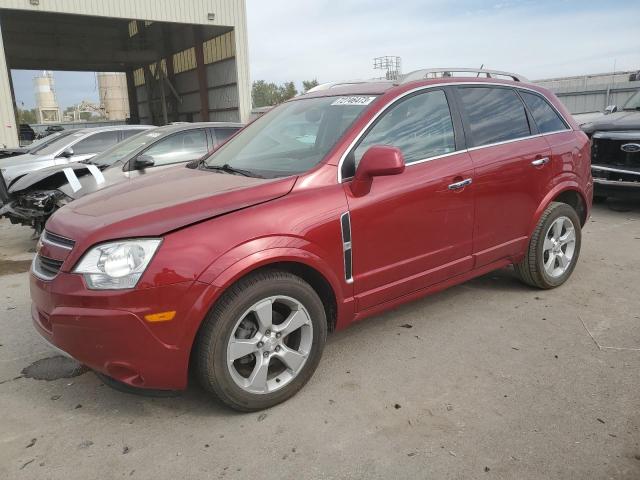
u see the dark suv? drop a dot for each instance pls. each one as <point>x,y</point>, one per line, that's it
<point>334,206</point>
<point>615,151</point>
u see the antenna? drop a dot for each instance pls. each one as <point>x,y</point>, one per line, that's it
<point>390,64</point>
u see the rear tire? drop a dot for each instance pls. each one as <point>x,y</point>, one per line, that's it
<point>262,341</point>
<point>554,248</point>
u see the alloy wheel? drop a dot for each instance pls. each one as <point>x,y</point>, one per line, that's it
<point>559,247</point>
<point>269,344</point>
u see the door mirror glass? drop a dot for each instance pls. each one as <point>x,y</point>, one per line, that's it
<point>377,161</point>
<point>143,161</point>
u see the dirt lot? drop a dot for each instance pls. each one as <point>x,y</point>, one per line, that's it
<point>492,380</point>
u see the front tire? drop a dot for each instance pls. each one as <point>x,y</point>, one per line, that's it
<point>554,248</point>
<point>262,341</point>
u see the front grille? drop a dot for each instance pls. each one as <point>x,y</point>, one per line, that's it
<point>606,151</point>
<point>46,268</point>
<point>57,240</point>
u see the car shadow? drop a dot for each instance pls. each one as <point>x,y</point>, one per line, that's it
<point>618,205</point>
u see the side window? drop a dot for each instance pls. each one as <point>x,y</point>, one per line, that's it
<point>494,114</point>
<point>96,143</point>
<point>221,134</point>
<point>420,126</point>
<point>130,132</point>
<point>179,147</point>
<point>544,115</point>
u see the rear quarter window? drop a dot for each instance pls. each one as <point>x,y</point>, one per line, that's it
<point>546,118</point>
<point>493,114</point>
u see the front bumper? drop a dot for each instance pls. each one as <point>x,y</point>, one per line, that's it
<point>106,330</point>
<point>615,182</point>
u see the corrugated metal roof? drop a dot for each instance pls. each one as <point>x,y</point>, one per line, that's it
<point>227,12</point>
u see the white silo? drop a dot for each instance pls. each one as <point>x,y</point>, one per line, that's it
<point>46,102</point>
<point>112,87</point>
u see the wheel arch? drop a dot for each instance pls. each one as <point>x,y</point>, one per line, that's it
<point>303,263</point>
<point>299,262</point>
<point>575,199</point>
<point>566,192</point>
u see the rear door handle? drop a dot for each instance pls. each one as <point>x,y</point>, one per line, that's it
<point>460,184</point>
<point>540,161</point>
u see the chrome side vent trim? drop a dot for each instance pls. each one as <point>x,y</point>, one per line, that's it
<point>57,240</point>
<point>345,226</point>
<point>45,268</point>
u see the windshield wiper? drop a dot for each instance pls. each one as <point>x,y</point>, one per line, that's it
<point>229,169</point>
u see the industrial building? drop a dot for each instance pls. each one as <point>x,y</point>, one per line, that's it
<point>182,61</point>
<point>593,93</point>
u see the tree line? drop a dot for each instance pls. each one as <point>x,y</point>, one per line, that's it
<point>266,94</point>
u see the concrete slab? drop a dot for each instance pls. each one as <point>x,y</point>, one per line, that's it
<point>493,380</point>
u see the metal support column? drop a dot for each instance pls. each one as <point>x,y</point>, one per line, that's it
<point>132,94</point>
<point>8,127</point>
<point>202,74</point>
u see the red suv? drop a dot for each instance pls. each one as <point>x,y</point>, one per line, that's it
<point>332,207</point>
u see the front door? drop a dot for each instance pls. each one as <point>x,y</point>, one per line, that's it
<point>414,229</point>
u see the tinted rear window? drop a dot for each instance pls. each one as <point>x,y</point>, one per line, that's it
<point>544,115</point>
<point>494,114</point>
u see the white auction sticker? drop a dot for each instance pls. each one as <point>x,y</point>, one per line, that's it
<point>97,174</point>
<point>72,179</point>
<point>356,100</point>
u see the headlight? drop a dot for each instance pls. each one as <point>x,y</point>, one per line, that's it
<point>117,265</point>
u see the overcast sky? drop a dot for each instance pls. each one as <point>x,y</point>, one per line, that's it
<point>336,40</point>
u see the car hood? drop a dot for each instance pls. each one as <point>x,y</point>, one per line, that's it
<point>12,152</point>
<point>53,177</point>
<point>160,202</point>
<point>622,121</point>
<point>20,160</point>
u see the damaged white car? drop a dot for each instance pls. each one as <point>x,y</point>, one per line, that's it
<point>31,199</point>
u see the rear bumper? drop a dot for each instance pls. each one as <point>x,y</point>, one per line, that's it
<point>107,332</point>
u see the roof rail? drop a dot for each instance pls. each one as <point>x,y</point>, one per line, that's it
<point>328,85</point>
<point>449,72</point>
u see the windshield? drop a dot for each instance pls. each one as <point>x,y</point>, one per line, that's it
<point>292,138</point>
<point>633,103</point>
<point>37,145</point>
<point>59,143</point>
<point>122,150</point>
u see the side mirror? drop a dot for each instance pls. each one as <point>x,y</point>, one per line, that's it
<point>610,109</point>
<point>378,161</point>
<point>143,161</point>
<point>67,153</point>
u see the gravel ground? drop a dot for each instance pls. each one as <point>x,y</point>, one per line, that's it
<point>489,379</point>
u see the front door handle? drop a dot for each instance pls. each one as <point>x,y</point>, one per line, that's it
<point>540,161</point>
<point>460,184</point>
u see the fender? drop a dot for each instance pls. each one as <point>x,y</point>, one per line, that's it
<point>246,258</point>
<point>564,186</point>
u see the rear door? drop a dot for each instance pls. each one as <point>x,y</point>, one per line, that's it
<point>414,229</point>
<point>565,149</point>
<point>511,169</point>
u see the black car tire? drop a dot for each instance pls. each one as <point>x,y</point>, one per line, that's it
<point>215,333</point>
<point>531,269</point>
